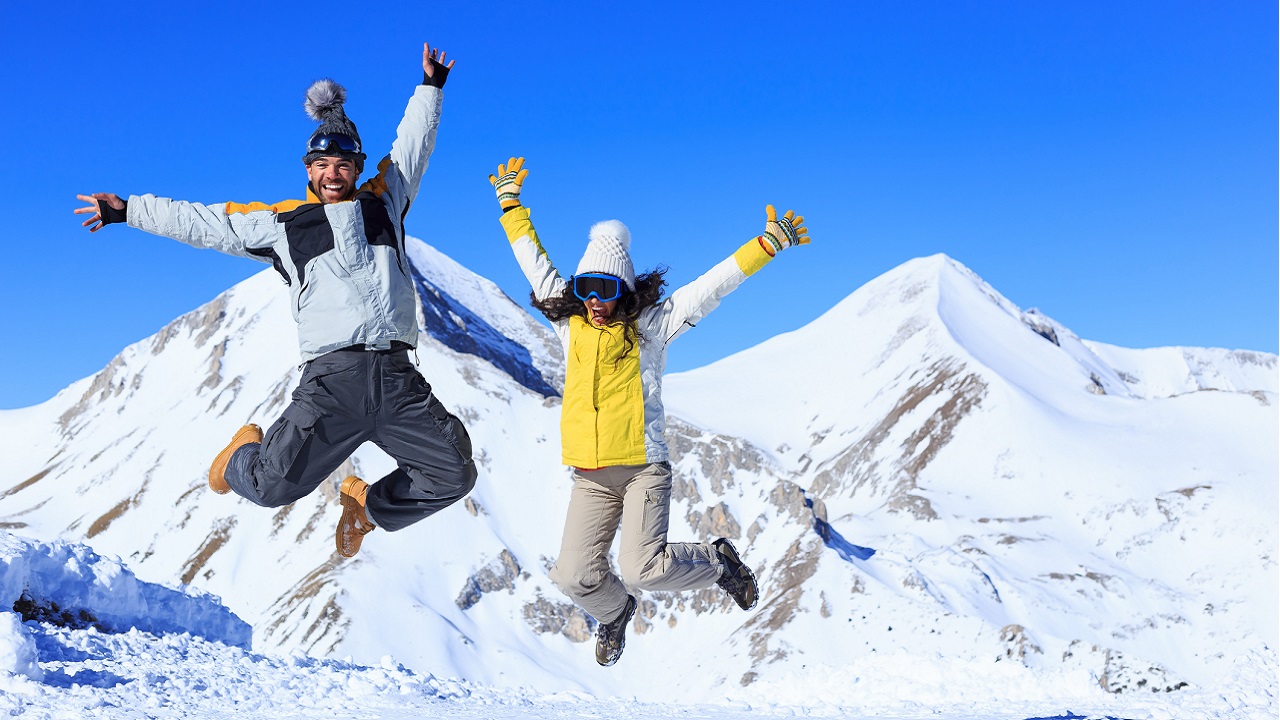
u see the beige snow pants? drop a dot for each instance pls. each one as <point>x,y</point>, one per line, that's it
<point>637,497</point>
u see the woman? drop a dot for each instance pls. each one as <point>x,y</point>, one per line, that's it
<point>615,327</point>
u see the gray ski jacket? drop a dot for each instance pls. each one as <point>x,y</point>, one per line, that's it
<point>344,262</point>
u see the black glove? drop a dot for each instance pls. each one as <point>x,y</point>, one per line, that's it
<point>441,74</point>
<point>111,215</point>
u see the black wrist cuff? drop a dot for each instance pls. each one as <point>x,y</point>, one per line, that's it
<point>440,74</point>
<point>506,210</point>
<point>111,215</point>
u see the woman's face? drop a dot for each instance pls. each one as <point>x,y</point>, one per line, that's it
<point>600,312</point>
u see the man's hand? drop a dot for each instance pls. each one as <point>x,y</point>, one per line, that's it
<point>508,182</point>
<point>783,232</point>
<point>434,71</point>
<point>106,208</point>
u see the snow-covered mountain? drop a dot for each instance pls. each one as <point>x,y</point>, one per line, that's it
<point>924,471</point>
<point>1075,499</point>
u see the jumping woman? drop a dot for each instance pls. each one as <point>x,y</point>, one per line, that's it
<point>615,327</point>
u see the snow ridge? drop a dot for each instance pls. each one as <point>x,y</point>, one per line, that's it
<point>71,582</point>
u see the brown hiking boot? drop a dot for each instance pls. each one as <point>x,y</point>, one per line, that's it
<point>354,524</point>
<point>217,472</point>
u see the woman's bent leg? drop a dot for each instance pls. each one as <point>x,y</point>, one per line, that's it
<point>582,571</point>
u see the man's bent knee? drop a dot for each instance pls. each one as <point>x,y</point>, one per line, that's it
<point>247,478</point>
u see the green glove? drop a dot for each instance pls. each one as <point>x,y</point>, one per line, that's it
<point>783,232</point>
<point>507,183</point>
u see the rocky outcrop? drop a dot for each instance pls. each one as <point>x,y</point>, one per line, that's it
<point>871,467</point>
<point>546,616</point>
<point>501,574</point>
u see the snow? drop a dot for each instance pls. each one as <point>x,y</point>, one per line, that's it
<point>18,654</point>
<point>957,509</point>
<point>70,577</point>
<point>86,672</point>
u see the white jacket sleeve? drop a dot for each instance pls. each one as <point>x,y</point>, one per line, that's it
<point>686,307</point>
<point>543,276</point>
<point>400,172</point>
<point>204,226</point>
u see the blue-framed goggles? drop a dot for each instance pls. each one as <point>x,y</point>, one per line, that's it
<point>332,142</point>
<point>601,286</point>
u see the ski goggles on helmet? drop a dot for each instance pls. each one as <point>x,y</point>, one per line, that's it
<point>333,142</point>
<point>601,286</point>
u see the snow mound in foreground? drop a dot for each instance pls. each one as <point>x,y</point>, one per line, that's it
<point>18,654</point>
<point>100,643</point>
<point>69,584</point>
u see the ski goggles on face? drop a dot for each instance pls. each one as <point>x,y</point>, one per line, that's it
<point>601,286</point>
<point>332,142</point>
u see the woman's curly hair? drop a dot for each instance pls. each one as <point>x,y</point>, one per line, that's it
<point>648,292</point>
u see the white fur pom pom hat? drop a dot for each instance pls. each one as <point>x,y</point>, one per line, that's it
<point>609,251</point>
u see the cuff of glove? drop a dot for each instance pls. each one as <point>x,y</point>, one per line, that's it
<point>752,256</point>
<point>111,215</point>
<point>440,73</point>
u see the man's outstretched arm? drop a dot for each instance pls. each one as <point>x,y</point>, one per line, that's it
<point>202,226</point>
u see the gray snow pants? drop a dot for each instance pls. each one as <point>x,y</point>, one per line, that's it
<point>637,497</point>
<point>345,398</point>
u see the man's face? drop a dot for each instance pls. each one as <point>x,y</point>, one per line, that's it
<point>332,178</point>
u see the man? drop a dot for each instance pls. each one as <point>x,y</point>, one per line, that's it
<point>341,251</point>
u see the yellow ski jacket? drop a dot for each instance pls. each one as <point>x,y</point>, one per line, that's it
<point>612,412</point>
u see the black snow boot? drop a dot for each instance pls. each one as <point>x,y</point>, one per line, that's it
<point>737,579</point>
<point>611,636</point>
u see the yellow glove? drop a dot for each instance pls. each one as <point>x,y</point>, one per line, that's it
<point>783,232</point>
<point>507,183</point>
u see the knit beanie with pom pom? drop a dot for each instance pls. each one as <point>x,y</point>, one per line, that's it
<point>609,251</point>
<point>324,102</point>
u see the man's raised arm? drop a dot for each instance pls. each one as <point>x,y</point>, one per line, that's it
<point>416,134</point>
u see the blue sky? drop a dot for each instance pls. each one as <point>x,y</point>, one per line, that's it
<point>1112,164</point>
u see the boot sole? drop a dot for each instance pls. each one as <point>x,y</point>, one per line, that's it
<point>733,552</point>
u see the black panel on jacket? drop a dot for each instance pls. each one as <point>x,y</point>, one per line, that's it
<point>379,229</point>
<point>267,252</point>
<point>309,233</point>
<point>378,226</point>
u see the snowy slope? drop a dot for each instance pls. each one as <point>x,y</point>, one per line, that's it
<point>60,659</point>
<point>1007,473</point>
<point>938,483</point>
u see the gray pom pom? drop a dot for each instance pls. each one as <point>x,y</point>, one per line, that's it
<point>323,97</point>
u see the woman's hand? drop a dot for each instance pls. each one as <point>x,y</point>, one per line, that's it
<point>783,232</point>
<point>508,182</point>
